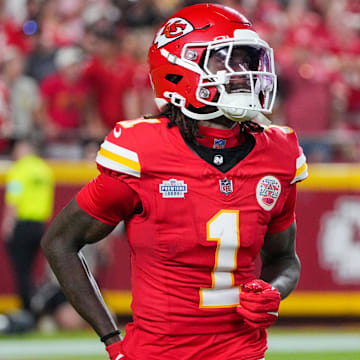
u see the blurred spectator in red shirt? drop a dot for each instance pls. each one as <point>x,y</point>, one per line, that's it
<point>109,76</point>
<point>64,98</point>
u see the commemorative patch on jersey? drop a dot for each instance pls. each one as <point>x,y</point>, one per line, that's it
<point>174,29</point>
<point>173,189</point>
<point>268,191</point>
<point>226,186</point>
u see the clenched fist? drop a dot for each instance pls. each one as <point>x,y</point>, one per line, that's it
<point>259,304</point>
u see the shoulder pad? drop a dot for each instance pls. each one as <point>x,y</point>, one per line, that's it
<point>280,129</point>
<point>126,124</point>
<point>119,152</point>
<point>288,134</point>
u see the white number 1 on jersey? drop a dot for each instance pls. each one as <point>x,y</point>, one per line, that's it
<point>223,228</point>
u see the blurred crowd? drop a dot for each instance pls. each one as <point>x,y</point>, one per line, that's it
<point>70,69</point>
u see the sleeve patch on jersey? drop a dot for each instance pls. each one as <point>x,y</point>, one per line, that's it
<point>117,158</point>
<point>301,169</point>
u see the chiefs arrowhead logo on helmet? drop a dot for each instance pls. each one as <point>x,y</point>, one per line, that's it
<point>173,29</point>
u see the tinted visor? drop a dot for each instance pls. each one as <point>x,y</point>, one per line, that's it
<point>234,59</point>
<point>246,67</point>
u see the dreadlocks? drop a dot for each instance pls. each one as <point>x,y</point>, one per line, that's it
<point>189,128</point>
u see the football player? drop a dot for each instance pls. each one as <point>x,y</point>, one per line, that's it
<point>203,188</point>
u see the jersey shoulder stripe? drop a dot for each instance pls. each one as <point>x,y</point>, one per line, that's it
<point>301,169</point>
<point>131,123</point>
<point>284,129</point>
<point>118,158</point>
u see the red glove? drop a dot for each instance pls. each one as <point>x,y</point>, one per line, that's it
<point>114,351</point>
<point>259,304</point>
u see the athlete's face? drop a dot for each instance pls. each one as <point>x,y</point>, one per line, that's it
<point>241,59</point>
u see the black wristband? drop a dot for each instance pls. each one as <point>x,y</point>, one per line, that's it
<point>109,335</point>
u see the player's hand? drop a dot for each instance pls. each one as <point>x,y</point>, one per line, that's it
<point>259,304</point>
<point>114,351</point>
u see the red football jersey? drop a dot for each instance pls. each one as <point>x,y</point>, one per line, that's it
<point>202,227</point>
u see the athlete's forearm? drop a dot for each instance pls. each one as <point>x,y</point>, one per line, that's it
<point>61,245</point>
<point>79,289</point>
<point>280,264</point>
<point>282,273</point>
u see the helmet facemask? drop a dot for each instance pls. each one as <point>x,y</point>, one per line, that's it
<point>242,72</point>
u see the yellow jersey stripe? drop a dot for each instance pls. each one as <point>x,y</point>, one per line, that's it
<point>301,175</point>
<point>116,166</point>
<point>301,169</point>
<point>119,150</point>
<point>135,165</point>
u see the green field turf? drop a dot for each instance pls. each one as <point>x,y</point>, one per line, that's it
<point>311,356</point>
<point>285,344</point>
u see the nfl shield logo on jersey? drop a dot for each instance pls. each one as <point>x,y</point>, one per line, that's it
<point>268,191</point>
<point>219,144</point>
<point>226,186</point>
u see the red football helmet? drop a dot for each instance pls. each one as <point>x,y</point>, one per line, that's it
<point>209,54</point>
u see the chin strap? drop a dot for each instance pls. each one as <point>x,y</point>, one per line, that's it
<point>179,101</point>
<point>209,116</point>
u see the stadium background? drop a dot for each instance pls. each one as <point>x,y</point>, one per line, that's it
<point>319,71</point>
<point>328,211</point>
